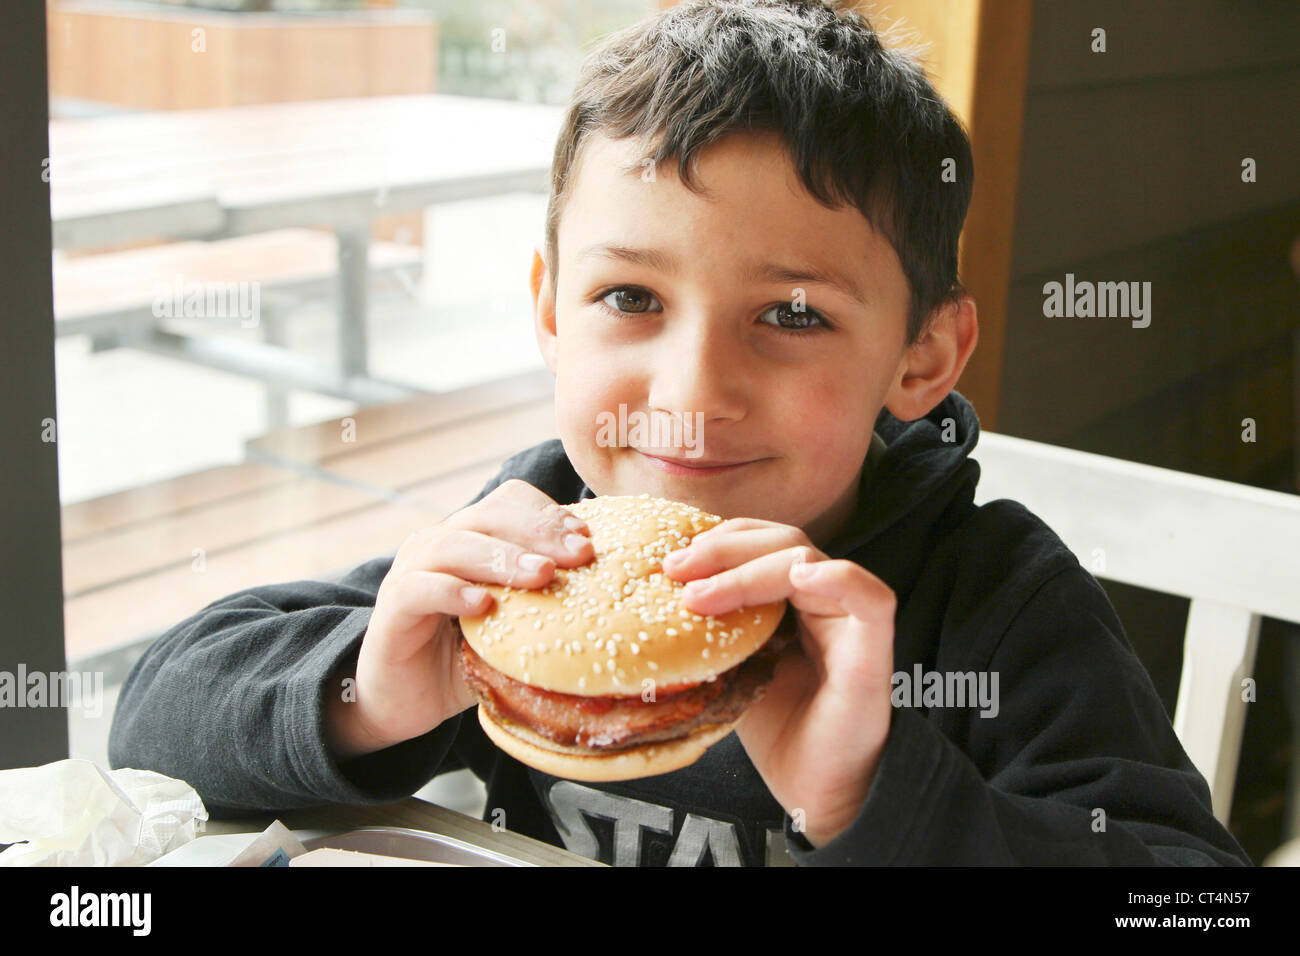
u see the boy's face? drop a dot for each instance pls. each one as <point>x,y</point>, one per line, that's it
<point>703,337</point>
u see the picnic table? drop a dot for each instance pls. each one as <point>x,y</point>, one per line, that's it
<point>213,174</point>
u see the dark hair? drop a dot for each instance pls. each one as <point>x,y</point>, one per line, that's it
<point>863,124</point>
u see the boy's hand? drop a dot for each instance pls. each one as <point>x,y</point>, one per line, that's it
<point>817,734</point>
<point>408,677</point>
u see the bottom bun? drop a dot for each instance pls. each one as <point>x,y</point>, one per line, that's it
<point>646,760</point>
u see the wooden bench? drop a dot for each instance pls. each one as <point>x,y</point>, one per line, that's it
<point>112,294</point>
<point>138,298</point>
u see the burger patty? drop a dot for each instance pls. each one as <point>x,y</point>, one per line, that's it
<point>616,723</point>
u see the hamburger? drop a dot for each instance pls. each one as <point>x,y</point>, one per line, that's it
<point>603,674</point>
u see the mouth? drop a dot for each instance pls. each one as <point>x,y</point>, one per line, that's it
<point>696,467</point>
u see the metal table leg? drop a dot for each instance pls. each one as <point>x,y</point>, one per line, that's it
<point>354,269</point>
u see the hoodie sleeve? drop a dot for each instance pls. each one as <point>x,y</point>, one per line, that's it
<point>1080,765</point>
<point>231,700</point>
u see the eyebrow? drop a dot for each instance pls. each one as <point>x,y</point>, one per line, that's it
<point>770,272</point>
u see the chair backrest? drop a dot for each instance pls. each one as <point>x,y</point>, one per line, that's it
<point>1232,549</point>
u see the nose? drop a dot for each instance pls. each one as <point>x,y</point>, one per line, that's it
<point>698,374</point>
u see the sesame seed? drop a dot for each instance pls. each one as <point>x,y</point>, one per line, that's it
<point>636,648</point>
<point>582,682</point>
<point>671,632</point>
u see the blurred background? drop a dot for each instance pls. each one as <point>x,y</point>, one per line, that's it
<point>291,320</point>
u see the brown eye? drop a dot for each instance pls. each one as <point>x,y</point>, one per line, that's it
<point>629,299</point>
<point>798,320</point>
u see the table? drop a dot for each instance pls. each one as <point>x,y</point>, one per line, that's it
<point>415,814</point>
<point>218,173</point>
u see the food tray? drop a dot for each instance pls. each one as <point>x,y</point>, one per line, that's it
<point>413,845</point>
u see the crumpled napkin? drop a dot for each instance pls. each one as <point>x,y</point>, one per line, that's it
<point>72,813</point>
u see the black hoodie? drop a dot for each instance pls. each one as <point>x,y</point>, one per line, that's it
<point>1071,761</point>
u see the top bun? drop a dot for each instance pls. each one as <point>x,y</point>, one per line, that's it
<point>601,629</point>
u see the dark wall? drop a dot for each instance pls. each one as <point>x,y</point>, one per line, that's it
<point>31,576</point>
<point>1131,170</point>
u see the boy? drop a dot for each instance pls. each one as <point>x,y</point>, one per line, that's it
<point>749,229</point>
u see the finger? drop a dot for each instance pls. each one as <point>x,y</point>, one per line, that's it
<point>522,518</point>
<point>758,581</point>
<point>843,587</point>
<point>414,596</point>
<point>846,590</point>
<point>706,556</point>
<point>480,557</point>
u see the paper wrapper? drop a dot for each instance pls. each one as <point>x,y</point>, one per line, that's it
<point>72,813</point>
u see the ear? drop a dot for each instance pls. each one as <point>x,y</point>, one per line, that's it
<point>931,366</point>
<point>543,309</point>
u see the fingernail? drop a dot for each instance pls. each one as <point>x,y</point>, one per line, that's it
<point>803,570</point>
<point>532,562</point>
<point>472,596</point>
<point>574,523</point>
<point>574,542</point>
<point>700,586</point>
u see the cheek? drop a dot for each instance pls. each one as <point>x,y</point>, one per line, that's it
<point>819,409</point>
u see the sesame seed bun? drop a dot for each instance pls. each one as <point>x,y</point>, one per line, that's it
<point>576,763</point>
<point>607,627</point>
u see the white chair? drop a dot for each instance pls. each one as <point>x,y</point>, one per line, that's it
<point>1232,549</point>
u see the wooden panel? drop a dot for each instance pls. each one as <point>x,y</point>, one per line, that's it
<point>146,605</point>
<point>162,499</point>
<point>997,112</point>
<point>379,424</point>
<point>945,33</point>
<point>1216,294</point>
<point>1159,39</point>
<point>402,465</point>
<point>1112,168</point>
<point>246,58</point>
<point>217,527</point>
